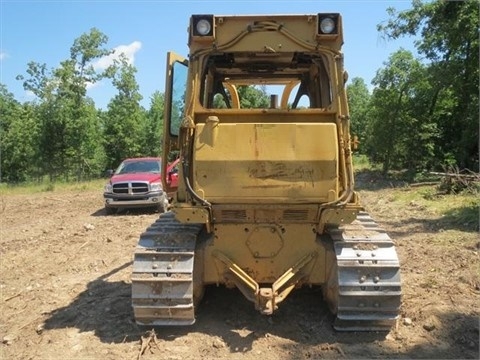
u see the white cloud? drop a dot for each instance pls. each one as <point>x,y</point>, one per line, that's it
<point>104,62</point>
<point>29,94</point>
<point>3,55</point>
<point>93,85</point>
<point>128,50</point>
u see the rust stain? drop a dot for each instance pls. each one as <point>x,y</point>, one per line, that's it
<point>280,171</point>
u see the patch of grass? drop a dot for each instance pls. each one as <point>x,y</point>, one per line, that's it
<point>47,186</point>
<point>465,216</point>
<point>361,162</point>
<point>406,196</point>
<point>425,177</point>
<point>50,186</point>
<point>24,188</point>
<point>373,178</point>
<point>454,211</point>
<point>429,193</point>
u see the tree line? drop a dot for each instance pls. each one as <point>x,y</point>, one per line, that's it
<point>421,114</point>
<point>61,134</point>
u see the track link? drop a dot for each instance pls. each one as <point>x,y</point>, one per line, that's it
<point>367,275</point>
<point>162,277</point>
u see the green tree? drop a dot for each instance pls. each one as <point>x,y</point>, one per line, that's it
<point>400,133</point>
<point>69,141</point>
<point>83,140</point>
<point>252,97</point>
<point>125,120</point>
<point>19,139</point>
<point>42,84</point>
<point>449,39</point>
<point>153,133</point>
<point>358,103</point>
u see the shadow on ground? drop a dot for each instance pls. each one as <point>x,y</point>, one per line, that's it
<point>373,180</point>
<point>126,212</point>
<point>105,308</point>
<point>303,319</point>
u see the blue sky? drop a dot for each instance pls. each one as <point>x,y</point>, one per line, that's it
<point>44,31</point>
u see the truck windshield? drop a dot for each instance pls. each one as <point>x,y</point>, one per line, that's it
<point>144,166</point>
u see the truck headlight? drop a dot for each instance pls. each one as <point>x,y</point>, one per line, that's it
<point>108,188</point>
<point>157,186</point>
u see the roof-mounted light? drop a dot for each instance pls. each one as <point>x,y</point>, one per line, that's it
<point>202,26</point>
<point>327,24</point>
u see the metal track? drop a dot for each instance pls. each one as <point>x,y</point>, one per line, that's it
<point>162,277</point>
<point>365,288</point>
<point>368,277</point>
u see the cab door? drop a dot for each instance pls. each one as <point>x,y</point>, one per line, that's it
<point>175,90</point>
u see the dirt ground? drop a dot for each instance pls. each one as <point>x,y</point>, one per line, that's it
<point>65,291</point>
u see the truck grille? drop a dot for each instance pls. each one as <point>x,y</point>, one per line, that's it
<point>130,188</point>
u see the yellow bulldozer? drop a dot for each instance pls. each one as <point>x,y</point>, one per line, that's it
<point>265,199</point>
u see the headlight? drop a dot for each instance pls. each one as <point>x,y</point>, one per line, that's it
<point>108,188</point>
<point>156,186</point>
<point>203,27</point>
<point>327,25</point>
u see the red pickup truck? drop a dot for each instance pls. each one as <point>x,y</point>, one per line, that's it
<point>137,183</point>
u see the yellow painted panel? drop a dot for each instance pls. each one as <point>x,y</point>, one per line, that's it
<point>253,162</point>
<point>266,256</point>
